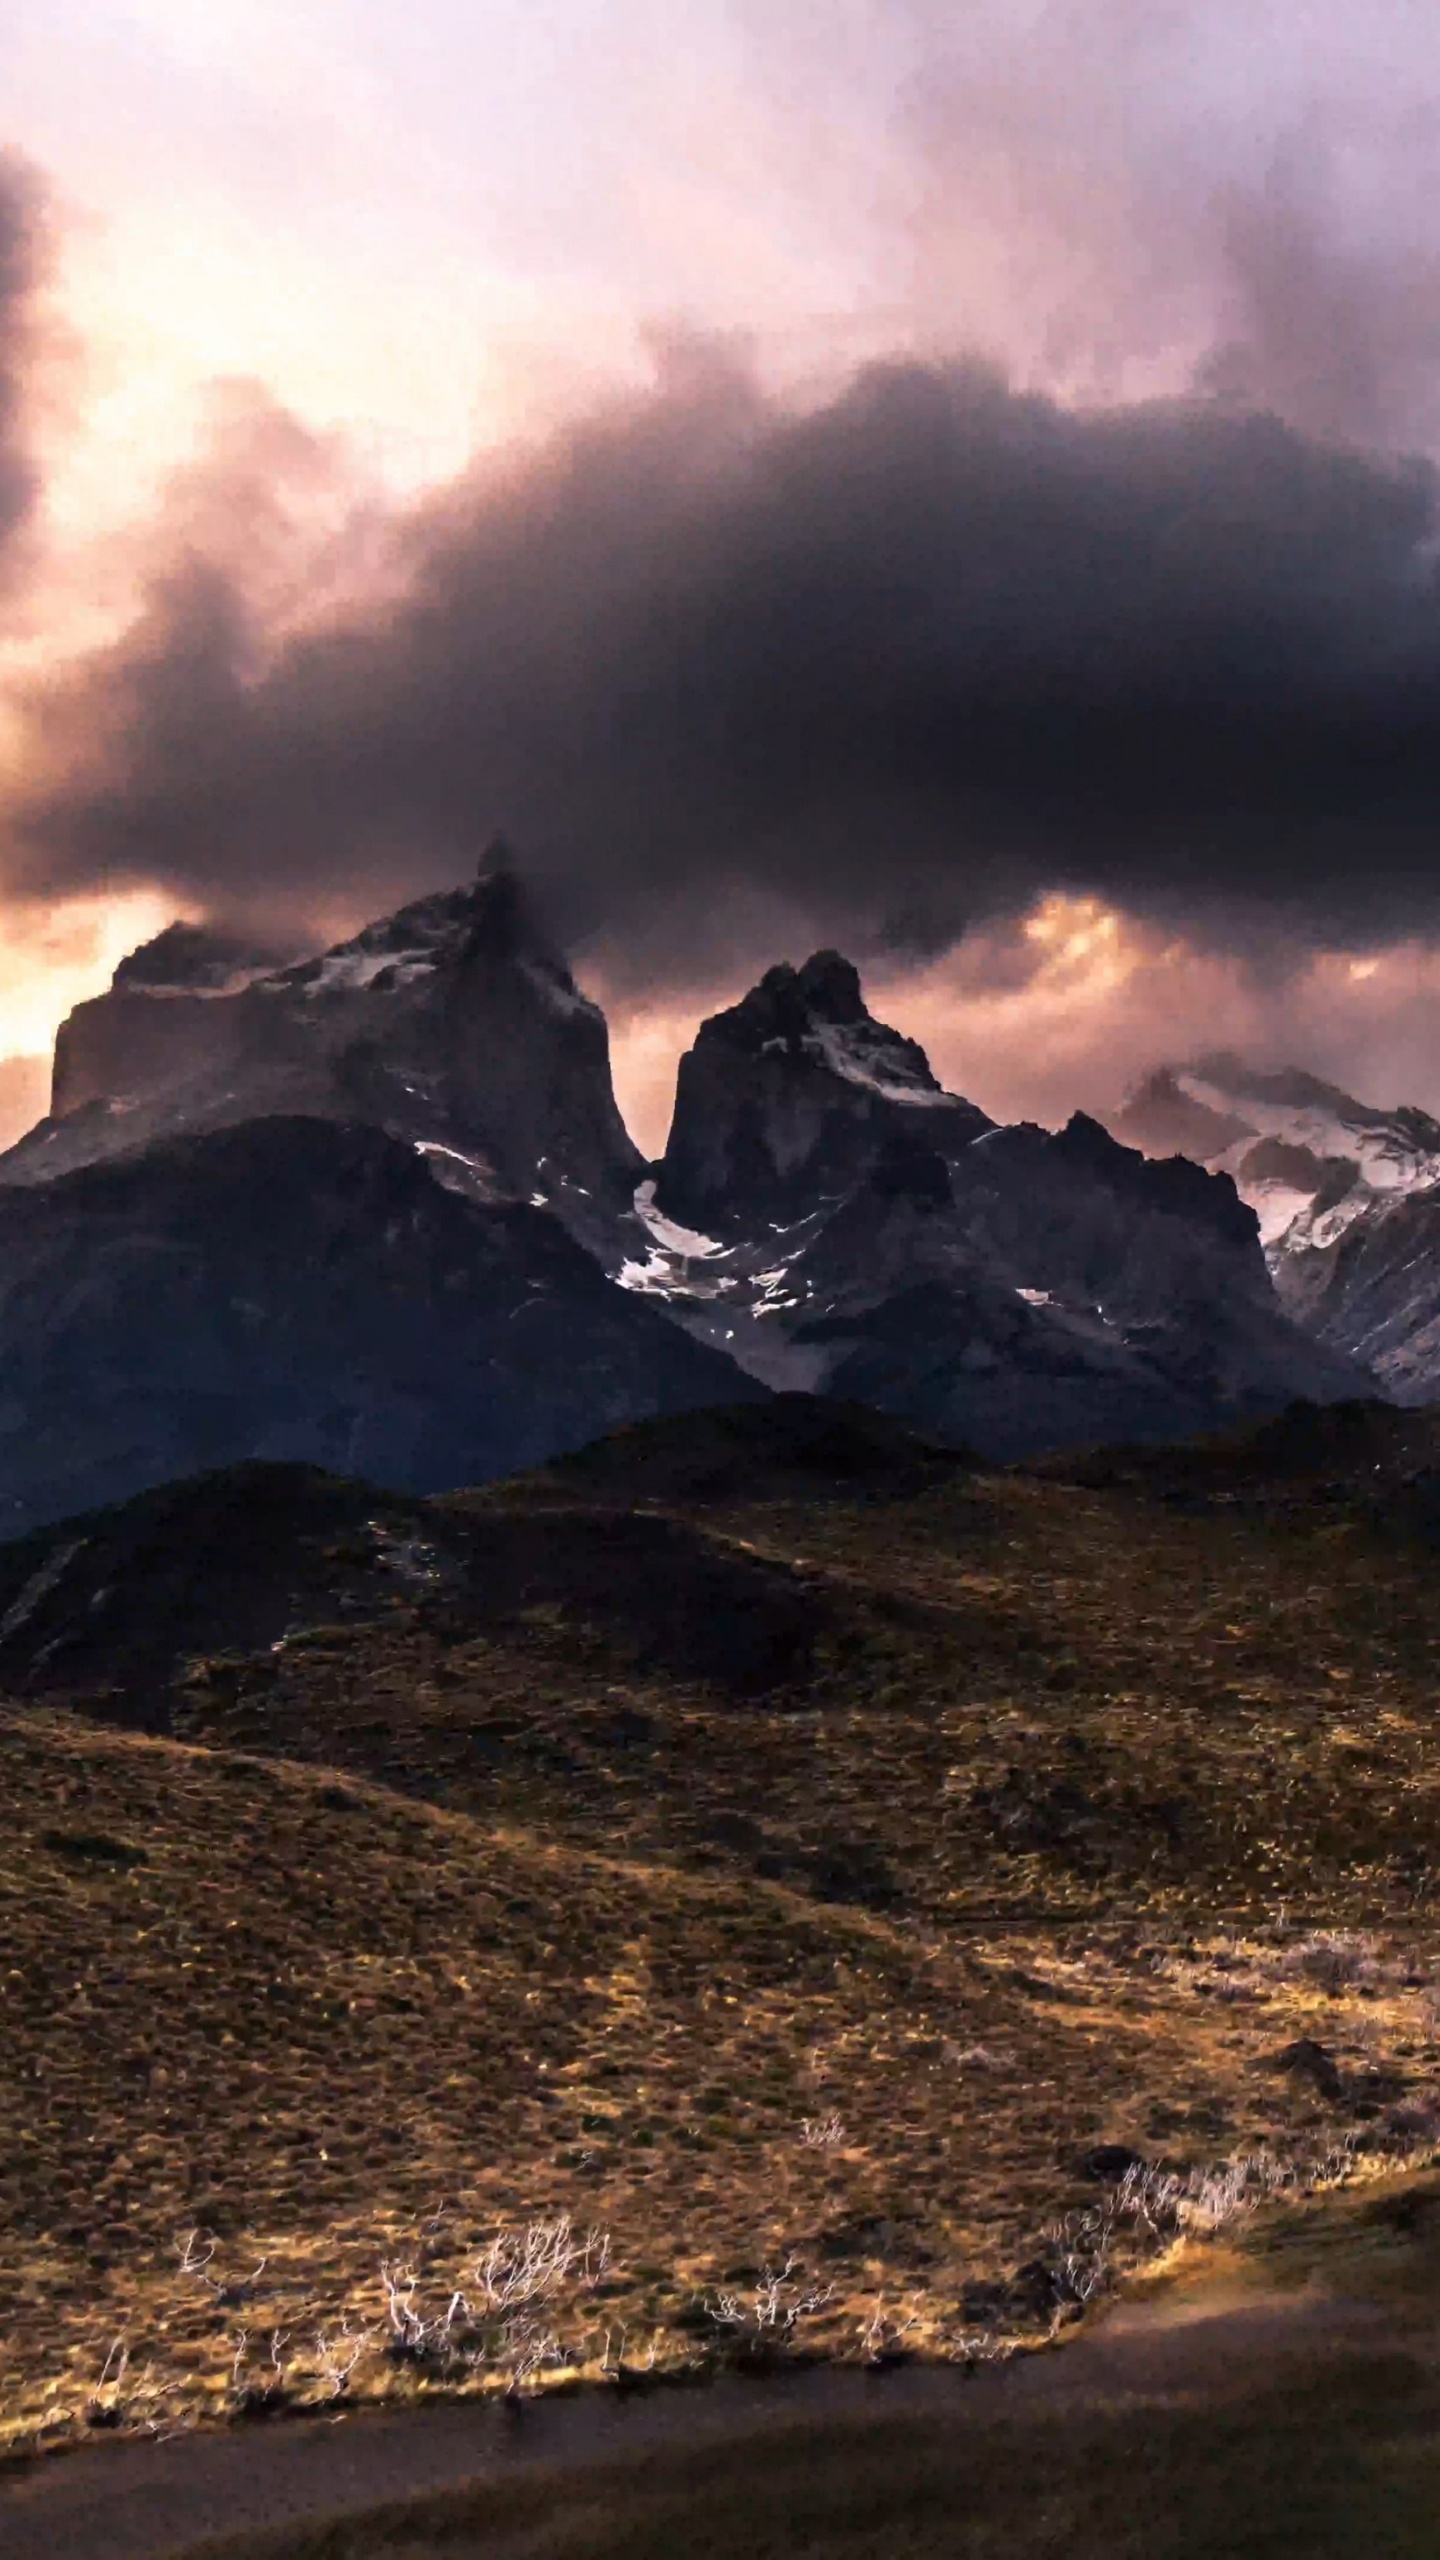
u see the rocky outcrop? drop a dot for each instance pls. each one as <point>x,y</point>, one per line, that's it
<point>451,1024</point>
<point>305,1289</point>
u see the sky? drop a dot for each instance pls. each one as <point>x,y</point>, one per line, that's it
<point>954,483</point>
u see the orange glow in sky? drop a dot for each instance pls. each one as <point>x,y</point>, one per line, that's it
<point>51,961</point>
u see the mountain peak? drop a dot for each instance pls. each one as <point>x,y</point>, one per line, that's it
<point>491,918</point>
<point>829,984</point>
<point>798,1090</point>
<point>452,1023</point>
<point>816,1017</point>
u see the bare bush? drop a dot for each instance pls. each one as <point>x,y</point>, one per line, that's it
<point>1156,2205</point>
<point>529,2349</point>
<point>417,2332</point>
<point>499,2313</point>
<point>768,2315</point>
<point>1336,1962</point>
<point>533,2265</point>
<point>823,2133</point>
<point>337,2355</point>
<point>268,2389</point>
<point>106,2406</point>
<point>196,2253</point>
<point>883,2336</point>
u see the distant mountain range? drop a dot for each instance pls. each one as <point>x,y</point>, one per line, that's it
<point>377,1209</point>
<point>1348,1199</point>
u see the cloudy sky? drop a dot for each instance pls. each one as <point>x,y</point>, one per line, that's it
<point>956,482</point>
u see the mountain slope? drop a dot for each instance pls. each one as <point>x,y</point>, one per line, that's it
<point>1348,1198</point>
<point>869,1236</point>
<point>1089,1824</point>
<point>302,1288</point>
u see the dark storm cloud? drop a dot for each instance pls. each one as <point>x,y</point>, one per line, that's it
<point>899,661</point>
<point>20,262</point>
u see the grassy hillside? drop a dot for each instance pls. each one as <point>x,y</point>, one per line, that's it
<point>802,1861</point>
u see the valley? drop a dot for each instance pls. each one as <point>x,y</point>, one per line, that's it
<point>760,1842</point>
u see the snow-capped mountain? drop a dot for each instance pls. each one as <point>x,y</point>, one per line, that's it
<point>451,1024</point>
<point>1348,1198</point>
<point>830,1216</point>
<point>1299,1149</point>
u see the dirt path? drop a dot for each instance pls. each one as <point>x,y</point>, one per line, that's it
<point>274,2488</point>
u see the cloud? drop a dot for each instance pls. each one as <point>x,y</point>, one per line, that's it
<point>1338,332</point>
<point>1117,195</point>
<point>1150,617</point>
<point>21,262</point>
<point>24,1096</point>
<point>900,661</point>
<point>1099,998</point>
<point>1069,1006</point>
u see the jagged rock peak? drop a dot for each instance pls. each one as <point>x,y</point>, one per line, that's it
<point>797,1094</point>
<point>1173,1185</point>
<point>492,918</point>
<point>817,1015</point>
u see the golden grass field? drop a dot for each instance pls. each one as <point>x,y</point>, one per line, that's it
<point>794,1881</point>
<point>1314,2429</point>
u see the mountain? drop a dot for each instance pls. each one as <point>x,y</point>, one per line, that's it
<point>1300,1150</point>
<point>1348,1199</point>
<point>376,1210</point>
<point>832,1218</point>
<point>297,1288</point>
<point>795,1095</point>
<point>451,1024</point>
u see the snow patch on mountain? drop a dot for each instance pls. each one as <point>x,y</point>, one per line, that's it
<point>1277,1205</point>
<point>1309,1158</point>
<point>232,984</point>
<point>1387,1148</point>
<point>868,1055</point>
<point>343,972</point>
<point>668,1235</point>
